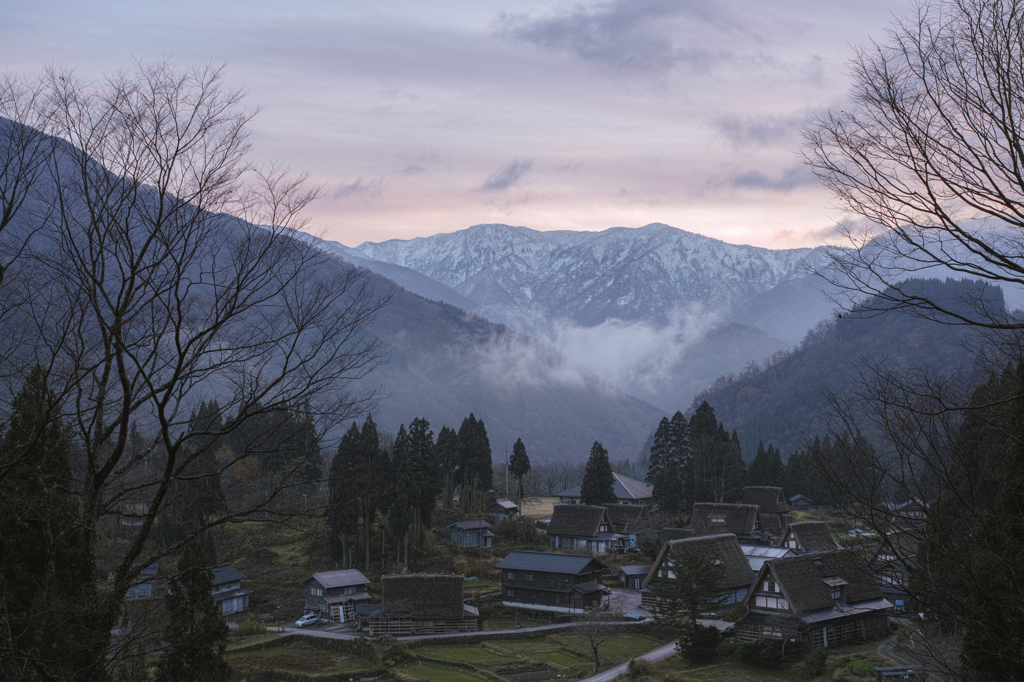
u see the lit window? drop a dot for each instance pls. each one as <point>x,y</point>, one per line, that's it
<point>510,575</point>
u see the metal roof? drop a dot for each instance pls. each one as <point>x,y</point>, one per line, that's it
<point>635,570</point>
<point>546,562</point>
<point>772,552</point>
<point>626,488</point>
<point>470,525</point>
<point>226,574</point>
<point>331,579</point>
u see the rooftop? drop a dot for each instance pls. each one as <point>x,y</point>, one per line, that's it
<point>626,488</point>
<point>346,578</point>
<point>226,574</point>
<point>578,520</point>
<point>546,562</point>
<point>724,548</point>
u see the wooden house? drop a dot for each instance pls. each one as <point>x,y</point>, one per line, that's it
<point>723,549</point>
<point>582,526</point>
<point>146,585</point>
<point>228,593</point>
<point>772,505</point>
<point>909,515</point>
<point>422,604</point>
<point>808,536</point>
<point>892,563</point>
<point>822,599</point>
<point>471,534</point>
<point>559,583</point>
<point>742,520</point>
<point>627,491</point>
<point>801,502</point>
<point>333,595</point>
<point>627,520</point>
<point>632,577</point>
<point>502,509</point>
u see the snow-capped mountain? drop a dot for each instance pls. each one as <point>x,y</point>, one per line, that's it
<point>629,274</point>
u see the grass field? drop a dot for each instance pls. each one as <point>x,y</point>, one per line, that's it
<point>846,658</point>
<point>439,672</point>
<point>539,507</point>
<point>471,653</point>
<point>296,656</point>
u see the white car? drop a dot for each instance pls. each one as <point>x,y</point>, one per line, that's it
<point>308,619</point>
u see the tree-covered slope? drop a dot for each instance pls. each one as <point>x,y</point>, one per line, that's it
<point>782,402</point>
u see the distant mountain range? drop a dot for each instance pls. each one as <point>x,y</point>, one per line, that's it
<point>656,311</point>
<point>630,274</point>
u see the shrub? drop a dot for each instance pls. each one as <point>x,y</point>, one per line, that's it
<point>250,627</point>
<point>639,667</point>
<point>517,531</point>
<point>816,660</point>
<point>699,643</point>
<point>767,653</point>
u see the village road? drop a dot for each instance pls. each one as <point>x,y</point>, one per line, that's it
<point>338,632</point>
<point>658,654</point>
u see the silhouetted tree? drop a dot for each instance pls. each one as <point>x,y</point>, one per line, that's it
<point>519,466</point>
<point>598,482</point>
<point>196,633</point>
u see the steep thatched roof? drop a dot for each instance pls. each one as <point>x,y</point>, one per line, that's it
<point>803,579</point>
<point>813,536</point>
<point>723,548</point>
<point>578,520</point>
<point>422,596</point>
<point>712,518</point>
<point>669,534</point>
<point>769,499</point>
<point>625,517</point>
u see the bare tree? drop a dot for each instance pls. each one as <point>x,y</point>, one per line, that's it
<point>167,270</point>
<point>596,627</point>
<point>930,155</point>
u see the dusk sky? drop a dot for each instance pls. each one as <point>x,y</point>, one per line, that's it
<point>421,118</point>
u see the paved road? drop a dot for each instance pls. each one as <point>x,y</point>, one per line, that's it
<point>658,654</point>
<point>340,632</point>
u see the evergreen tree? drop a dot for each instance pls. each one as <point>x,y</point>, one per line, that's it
<point>446,457</point>
<point>428,471</point>
<point>766,468</point>
<point>681,597</point>
<point>197,635</point>
<point>598,482</point>
<point>344,505</point>
<point>47,589</point>
<point>402,503</point>
<point>519,466</point>
<point>476,471</point>
<point>683,453</point>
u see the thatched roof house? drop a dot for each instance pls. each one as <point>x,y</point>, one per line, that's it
<point>626,518</point>
<point>809,536</point>
<point>422,596</point>
<point>774,509</point>
<point>713,518</point>
<point>832,596</point>
<point>582,526</point>
<point>723,549</point>
<point>421,603</point>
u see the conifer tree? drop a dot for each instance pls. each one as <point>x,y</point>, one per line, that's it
<point>683,452</point>
<point>46,585</point>
<point>196,633</point>
<point>519,466</point>
<point>344,505</point>
<point>446,455</point>
<point>476,473</point>
<point>428,471</point>
<point>598,482</point>
<point>766,467</point>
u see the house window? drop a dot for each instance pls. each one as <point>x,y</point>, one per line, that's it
<point>836,592</point>
<point>529,577</point>
<point>316,591</point>
<point>510,593</point>
<point>717,518</point>
<point>511,575</point>
<point>771,586</point>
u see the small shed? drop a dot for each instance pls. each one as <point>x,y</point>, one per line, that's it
<point>472,534</point>
<point>801,502</point>
<point>228,592</point>
<point>503,509</point>
<point>633,576</point>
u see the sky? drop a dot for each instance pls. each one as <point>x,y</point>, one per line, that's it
<point>418,118</point>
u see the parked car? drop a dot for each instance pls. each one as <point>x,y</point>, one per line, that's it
<point>728,632</point>
<point>308,619</point>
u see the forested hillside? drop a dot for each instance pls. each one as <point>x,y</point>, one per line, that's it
<point>781,402</point>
